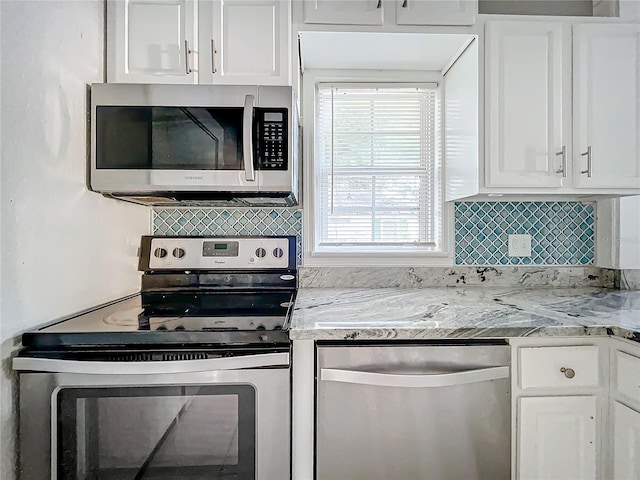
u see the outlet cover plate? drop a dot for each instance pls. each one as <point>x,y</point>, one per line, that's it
<point>520,245</point>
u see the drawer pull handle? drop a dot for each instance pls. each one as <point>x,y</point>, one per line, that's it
<point>568,372</point>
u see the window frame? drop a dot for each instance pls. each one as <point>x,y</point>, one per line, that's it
<point>341,255</point>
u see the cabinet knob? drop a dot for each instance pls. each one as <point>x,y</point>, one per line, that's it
<point>568,372</point>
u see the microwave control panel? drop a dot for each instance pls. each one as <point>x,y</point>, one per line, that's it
<point>272,138</point>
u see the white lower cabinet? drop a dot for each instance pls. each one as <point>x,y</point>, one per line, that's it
<point>557,438</point>
<point>626,444</point>
<point>559,396</point>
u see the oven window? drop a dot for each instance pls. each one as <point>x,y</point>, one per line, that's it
<point>168,138</point>
<point>134,433</point>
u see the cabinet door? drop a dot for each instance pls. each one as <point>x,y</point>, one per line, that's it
<point>524,104</point>
<point>606,116</point>
<point>557,438</point>
<point>147,41</point>
<point>245,42</point>
<point>626,443</point>
<point>341,12</point>
<point>436,12</point>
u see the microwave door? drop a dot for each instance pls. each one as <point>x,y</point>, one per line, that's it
<point>214,156</point>
<point>167,148</point>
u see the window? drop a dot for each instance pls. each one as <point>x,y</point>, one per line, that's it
<point>377,168</point>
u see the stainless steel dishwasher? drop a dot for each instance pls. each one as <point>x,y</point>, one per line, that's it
<point>413,412</point>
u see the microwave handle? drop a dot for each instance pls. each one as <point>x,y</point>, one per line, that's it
<point>247,138</point>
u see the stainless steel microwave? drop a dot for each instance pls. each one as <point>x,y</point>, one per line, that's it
<point>194,141</point>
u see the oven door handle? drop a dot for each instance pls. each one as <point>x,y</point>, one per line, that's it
<point>150,368</point>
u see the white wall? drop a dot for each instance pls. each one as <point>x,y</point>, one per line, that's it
<point>63,248</point>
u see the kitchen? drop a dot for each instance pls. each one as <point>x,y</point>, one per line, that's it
<point>65,248</point>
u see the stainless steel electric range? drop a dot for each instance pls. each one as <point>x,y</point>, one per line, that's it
<point>189,379</point>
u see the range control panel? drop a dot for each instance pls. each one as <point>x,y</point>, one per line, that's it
<point>272,132</point>
<point>201,253</point>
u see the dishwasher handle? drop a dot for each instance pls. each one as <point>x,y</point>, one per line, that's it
<point>413,380</point>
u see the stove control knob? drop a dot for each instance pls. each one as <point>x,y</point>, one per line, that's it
<point>178,252</point>
<point>278,252</point>
<point>261,252</point>
<point>160,252</point>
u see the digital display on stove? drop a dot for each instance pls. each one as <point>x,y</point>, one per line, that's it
<point>220,249</point>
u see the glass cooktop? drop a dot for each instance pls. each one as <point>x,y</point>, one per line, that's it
<point>175,317</point>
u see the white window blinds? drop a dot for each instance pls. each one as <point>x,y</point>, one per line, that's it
<point>377,166</point>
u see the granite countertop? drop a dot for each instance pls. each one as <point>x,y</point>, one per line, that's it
<point>475,312</point>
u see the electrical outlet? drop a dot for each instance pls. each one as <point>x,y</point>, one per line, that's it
<point>520,245</point>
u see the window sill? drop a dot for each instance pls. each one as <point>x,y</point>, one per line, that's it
<point>377,259</point>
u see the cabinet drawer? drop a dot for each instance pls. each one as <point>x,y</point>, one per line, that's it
<point>628,375</point>
<point>558,367</point>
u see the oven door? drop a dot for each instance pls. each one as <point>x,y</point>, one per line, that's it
<point>211,422</point>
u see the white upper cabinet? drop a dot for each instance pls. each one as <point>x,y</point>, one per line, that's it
<point>553,8</point>
<point>436,12</point>
<point>199,41</point>
<point>339,12</point>
<point>149,41</point>
<point>524,104</point>
<point>561,112</point>
<point>404,12</point>
<point>245,41</point>
<point>606,106</point>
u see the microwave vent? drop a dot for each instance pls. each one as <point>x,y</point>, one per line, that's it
<point>207,200</point>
